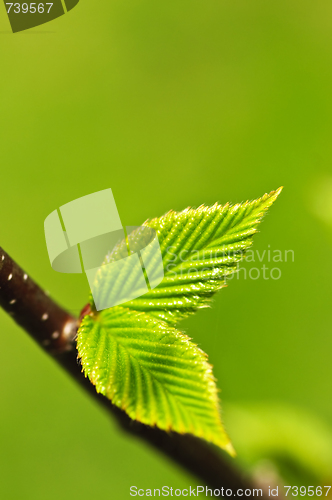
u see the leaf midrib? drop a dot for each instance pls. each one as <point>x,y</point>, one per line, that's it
<point>163,386</point>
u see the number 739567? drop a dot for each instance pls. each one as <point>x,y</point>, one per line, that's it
<point>31,8</point>
<point>311,491</point>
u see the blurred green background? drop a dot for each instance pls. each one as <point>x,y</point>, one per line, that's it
<point>173,104</point>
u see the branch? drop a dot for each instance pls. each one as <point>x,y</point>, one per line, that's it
<point>50,325</point>
<point>54,330</point>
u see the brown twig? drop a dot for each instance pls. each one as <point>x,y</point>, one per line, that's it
<point>54,330</point>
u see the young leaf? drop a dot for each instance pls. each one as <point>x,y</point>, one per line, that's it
<point>133,354</point>
<point>200,249</point>
<point>152,371</point>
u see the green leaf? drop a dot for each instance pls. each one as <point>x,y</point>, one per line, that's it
<point>200,249</point>
<point>288,439</point>
<point>152,371</point>
<point>132,353</point>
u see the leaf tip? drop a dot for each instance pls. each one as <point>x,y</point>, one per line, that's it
<point>230,449</point>
<point>269,198</point>
<point>274,194</point>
